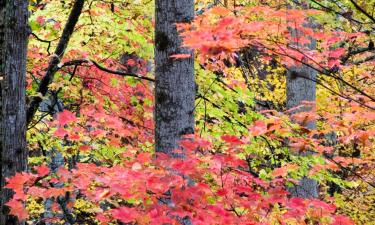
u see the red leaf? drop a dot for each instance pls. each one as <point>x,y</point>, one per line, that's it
<point>189,145</point>
<point>337,53</point>
<point>42,170</point>
<point>57,26</point>
<point>84,148</point>
<point>222,192</point>
<point>19,180</point>
<point>60,132</point>
<point>65,117</point>
<point>342,220</point>
<point>131,62</point>
<point>17,209</point>
<point>125,214</point>
<point>144,157</point>
<point>73,137</point>
<point>41,20</point>
<point>221,11</point>
<point>232,139</point>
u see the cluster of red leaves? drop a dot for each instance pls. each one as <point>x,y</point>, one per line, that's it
<point>220,32</point>
<point>208,188</point>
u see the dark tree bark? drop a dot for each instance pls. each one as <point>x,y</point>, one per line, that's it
<point>13,52</point>
<point>175,84</point>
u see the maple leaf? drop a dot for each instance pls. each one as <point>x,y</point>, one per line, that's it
<point>42,170</point>
<point>97,133</point>
<point>221,11</point>
<point>342,220</point>
<point>102,218</point>
<point>84,148</point>
<point>18,181</point>
<point>222,192</point>
<point>144,157</point>
<point>232,139</point>
<point>189,145</point>
<point>40,20</point>
<point>131,62</point>
<point>327,208</point>
<point>36,192</point>
<point>280,172</point>
<point>17,209</point>
<point>65,117</point>
<point>73,137</point>
<point>258,128</point>
<point>60,132</point>
<point>337,53</point>
<point>57,25</point>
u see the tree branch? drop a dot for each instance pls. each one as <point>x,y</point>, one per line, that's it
<point>55,59</point>
<point>364,12</point>
<point>97,65</point>
<point>367,59</point>
<point>44,41</point>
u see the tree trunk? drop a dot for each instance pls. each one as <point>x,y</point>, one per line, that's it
<point>300,87</point>
<point>298,90</point>
<point>174,79</point>
<point>13,53</point>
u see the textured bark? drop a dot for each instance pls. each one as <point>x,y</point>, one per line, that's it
<point>175,84</point>
<point>13,53</point>
<point>301,86</point>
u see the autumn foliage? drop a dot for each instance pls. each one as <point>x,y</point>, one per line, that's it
<point>238,167</point>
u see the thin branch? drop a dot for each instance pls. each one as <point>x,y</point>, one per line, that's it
<point>354,52</point>
<point>335,92</point>
<point>367,59</point>
<point>97,65</point>
<point>44,41</point>
<point>322,71</point>
<point>364,12</point>
<point>326,8</point>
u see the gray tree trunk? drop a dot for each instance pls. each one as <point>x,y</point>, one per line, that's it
<point>174,79</point>
<point>13,53</point>
<point>298,90</point>
<point>301,86</point>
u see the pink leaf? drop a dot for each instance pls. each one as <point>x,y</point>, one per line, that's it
<point>66,117</point>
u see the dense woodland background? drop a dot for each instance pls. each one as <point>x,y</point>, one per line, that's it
<point>187,112</point>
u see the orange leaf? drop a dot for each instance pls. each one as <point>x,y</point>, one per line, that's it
<point>258,128</point>
<point>280,172</point>
<point>180,56</point>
